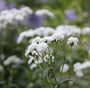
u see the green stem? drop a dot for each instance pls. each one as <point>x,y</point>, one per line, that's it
<point>51,86</point>
<point>54,76</point>
<point>64,50</point>
<point>3,40</point>
<point>62,69</point>
<point>50,65</point>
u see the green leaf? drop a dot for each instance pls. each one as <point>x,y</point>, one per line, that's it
<point>14,86</point>
<point>66,80</point>
<point>46,71</point>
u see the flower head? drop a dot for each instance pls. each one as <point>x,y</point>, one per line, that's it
<point>72,41</point>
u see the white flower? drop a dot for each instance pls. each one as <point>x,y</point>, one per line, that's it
<point>33,66</point>
<point>86,64</point>
<point>65,68</point>
<point>86,31</point>
<point>33,62</point>
<point>31,59</point>
<point>84,41</point>
<point>68,30</point>
<point>78,66</point>
<point>47,57</point>
<point>47,39</point>
<point>58,36</point>
<point>26,10</point>
<point>13,59</point>
<point>39,61</point>
<point>30,49</point>
<point>79,74</point>
<point>19,17</point>
<point>8,16</point>
<point>42,47</point>
<point>28,33</point>
<point>44,31</point>
<point>72,41</point>
<point>37,40</point>
<point>41,31</point>
<point>44,12</point>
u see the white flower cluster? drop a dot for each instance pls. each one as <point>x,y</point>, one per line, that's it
<point>34,48</point>
<point>14,15</point>
<point>36,53</point>
<point>72,41</point>
<point>78,68</point>
<point>13,59</point>
<point>37,48</point>
<point>34,62</point>
<point>10,16</point>
<point>66,30</point>
<point>47,35</point>
<point>49,39</point>
<point>42,31</point>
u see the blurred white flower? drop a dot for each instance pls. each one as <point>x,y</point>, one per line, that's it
<point>79,74</point>
<point>58,36</point>
<point>78,66</point>
<point>26,10</point>
<point>41,31</point>
<point>65,68</point>
<point>13,60</point>
<point>86,31</point>
<point>84,41</point>
<point>44,12</point>
<point>68,30</point>
<point>13,15</point>
<point>19,17</point>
